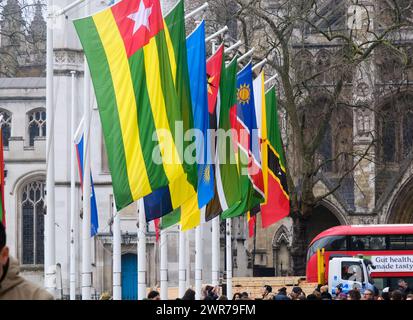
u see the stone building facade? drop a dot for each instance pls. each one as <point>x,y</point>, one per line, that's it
<point>377,192</point>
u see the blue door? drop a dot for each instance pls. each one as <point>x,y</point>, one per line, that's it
<point>129,277</point>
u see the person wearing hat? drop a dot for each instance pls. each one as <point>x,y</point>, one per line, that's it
<point>12,285</point>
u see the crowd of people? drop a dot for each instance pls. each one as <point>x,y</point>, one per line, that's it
<point>321,292</point>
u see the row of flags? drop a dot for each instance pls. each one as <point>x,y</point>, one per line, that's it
<point>148,77</point>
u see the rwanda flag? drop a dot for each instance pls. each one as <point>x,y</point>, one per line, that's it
<point>195,45</point>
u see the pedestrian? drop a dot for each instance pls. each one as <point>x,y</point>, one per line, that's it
<point>338,290</point>
<point>396,295</point>
<point>354,295</point>
<point>245,296</point>
<point>12,285</point>
<point>295,293</point>
<point>223,297</point>
<point>403,287</point>
<point>154,295</point>
<point>385,294</point>
<point>189,295</point>
<point>211,293</point>
<point>236,296</point>
<point>325,295</point>
<point>282,294</point>
<point>409,296</point>
<point>265,291</point>
<point>368,295</point>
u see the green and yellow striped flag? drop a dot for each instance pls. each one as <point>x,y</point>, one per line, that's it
<point>127,51</point>
<point>2,210</point>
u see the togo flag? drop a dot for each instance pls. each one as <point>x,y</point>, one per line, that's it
<point>94,223</point>
<point>133,75</point>
<point>195,44</point>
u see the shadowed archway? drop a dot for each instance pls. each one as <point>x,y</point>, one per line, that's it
<point>401,211</point>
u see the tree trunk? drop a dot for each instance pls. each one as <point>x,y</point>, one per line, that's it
<point>299,244</point>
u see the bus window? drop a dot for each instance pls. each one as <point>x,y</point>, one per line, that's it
<point>351,271</point>
<point>334,243</point>
<point>396,242</point>
<point>368,242</point>
<point>409,242</point>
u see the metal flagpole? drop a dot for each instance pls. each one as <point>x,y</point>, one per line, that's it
<point>49,234</point>
<point>187,260</point>
<point>181,263</point>
<point>199,257</point>
<point>141,251</point>
<point>73,215</point>
<point>259,64</point>
<point>229,257</point>
<point>233,47</point>
<point>164,264</point>
<point>270,79</point>
<point>117,246</point>
<point>215,230</point>
<point>86,242</point>
<point>246,55</point>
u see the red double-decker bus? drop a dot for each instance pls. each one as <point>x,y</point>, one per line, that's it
<point>389,247</point>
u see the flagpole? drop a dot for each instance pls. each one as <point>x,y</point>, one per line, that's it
<point>270,79</point>
<point>73,215</point>
<point>141,251</point>
<point>199,9</point>
<point>164,264</point>
<point>259,64</point>
<point>199,256</point>
<point>49,232</point>
<point>117,255</point>
<point>229,257</point>
<point>187,260</point>
<point>182,263</point>
<point>215,230</point>
<point>233,47</point>
<point>246,55</point>
<point>86,222</point>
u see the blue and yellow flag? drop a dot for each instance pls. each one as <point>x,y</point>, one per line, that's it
<point>195,45</point>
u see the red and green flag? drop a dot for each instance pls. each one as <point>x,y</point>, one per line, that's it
<point>134,79</point>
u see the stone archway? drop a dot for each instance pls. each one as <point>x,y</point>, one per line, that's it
<point>401,209</point>
<point>281,246</point>
<point>323,218</point>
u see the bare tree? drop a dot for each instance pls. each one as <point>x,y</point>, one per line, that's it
<point>316,91</point>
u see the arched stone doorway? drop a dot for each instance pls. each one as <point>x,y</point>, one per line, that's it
<point>322,219</point>
<point>281,252</point>
<point>401,210</point>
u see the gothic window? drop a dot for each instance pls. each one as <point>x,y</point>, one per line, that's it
<point>396,123</point>
<point>37,125</point>
<point>303,63</point>
<point>281,252</point>
<point>32,223</point>
<point>5,126</point>
<point>322,65</point>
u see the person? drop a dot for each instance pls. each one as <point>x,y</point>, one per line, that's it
<point>154,295</point>
<point>223,297</point>
<point>325,295</point>
<point>403,287</point>
<point>295,293</point>
<point>354,295</point>
<point>282,294</point>
<point>409,296</point>
<point>12,285</point>
<point>265,291</point>
<point>312,296</point>
<point>189,295</point>
<point>211,293</point>
<point>385,294</point>
<point>396,295</point>
<point>342,296</point>
<point>245,296</point>
<point>236,296</point>
<point>368,295</point>
<point>339,289</point>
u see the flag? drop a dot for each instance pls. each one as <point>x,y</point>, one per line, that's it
<point>195,44</point>
<point>277,205</point>
<point>161,202</point>
<point>229,189</point>
<point>94,222</point>
<point>214,66</point>
<point>156,223</point>
<point>243,121</point>
<point>252,220</point>
<point>2,209</point>
<point>134,80</point>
